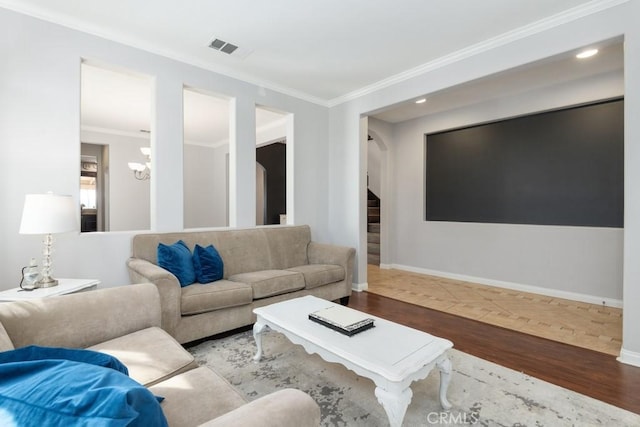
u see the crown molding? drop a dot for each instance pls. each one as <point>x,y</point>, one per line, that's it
<point>118,132</point>
<point>484,46</point>
<point>215,144</point>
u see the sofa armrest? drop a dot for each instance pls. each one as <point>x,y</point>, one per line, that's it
<point>140,271</point>
<point>322,253</point>
<point>288,407</point>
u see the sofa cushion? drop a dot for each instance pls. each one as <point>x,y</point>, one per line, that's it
<point>178,260</point>
<point>283,408</point>
<point>267,283</point>
<point>243,251</point>
<point>197,396</point>
<point>319,274</point>
<point>287,246</point>
<point>199,298</point>
<point>151,355</point>
<point>207,264</point>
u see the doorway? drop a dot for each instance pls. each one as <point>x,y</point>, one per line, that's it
<point>93,181</point>
<point>377,200</point>
<point>272,193</point>
<point>273,157</point>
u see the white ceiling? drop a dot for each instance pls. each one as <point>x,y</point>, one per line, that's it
<point>551,72</point>
<point>323,51</point>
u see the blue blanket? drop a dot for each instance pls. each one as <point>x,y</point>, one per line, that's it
<point>62,387</point>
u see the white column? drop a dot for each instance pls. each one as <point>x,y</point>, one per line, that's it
<point>166,156</point>
<point>290,157</point>
<point>242,163</point>
<point>631,271</point>
<point>362,284</point>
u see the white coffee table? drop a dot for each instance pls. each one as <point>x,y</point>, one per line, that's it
<point>391,355</point>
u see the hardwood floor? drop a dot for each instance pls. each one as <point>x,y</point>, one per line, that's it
<point>588,372</point>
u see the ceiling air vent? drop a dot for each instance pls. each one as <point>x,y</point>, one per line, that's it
<point>223,46</point>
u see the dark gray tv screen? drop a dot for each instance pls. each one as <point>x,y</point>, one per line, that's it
<point>562,167</point>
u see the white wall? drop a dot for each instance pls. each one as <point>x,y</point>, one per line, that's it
<point>40,129</point>
<point>569,259</point>
<point>201,205</point>
<point>581,262</point>
<point>221,185</point>
<point>631,273</point>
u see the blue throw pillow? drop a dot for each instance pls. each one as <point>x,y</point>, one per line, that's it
<point>70,393</point>
<point>178,260</point>
<point>208,264</point>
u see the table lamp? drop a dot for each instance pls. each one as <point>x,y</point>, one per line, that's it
<point>48,214</point>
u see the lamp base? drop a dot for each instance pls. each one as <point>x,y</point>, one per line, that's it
<point>47,282</point>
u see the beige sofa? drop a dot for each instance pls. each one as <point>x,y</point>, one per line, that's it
<point>262,265</point>
<point>125,322</point>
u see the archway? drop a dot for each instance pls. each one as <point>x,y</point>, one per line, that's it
<point>378,175</point>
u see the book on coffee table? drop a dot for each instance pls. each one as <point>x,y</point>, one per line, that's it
<point>342,319</point>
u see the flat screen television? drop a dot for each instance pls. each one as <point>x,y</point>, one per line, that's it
<point>562,167</point>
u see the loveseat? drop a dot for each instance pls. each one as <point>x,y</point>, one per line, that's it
<point>125,322</point>
<point>261,266</point>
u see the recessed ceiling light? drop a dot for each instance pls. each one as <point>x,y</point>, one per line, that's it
<point>421,101</point>
<point>587,53</point>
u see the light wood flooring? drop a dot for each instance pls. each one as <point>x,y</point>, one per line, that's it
<point>594,327</point>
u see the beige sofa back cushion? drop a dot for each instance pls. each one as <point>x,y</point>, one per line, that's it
<point>288,246</point>
<point>242,251</point>
<point>83,319</point>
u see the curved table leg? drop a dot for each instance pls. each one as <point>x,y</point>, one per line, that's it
<point>258,328</point>
<point>444,365</point>
<point>394,404</point>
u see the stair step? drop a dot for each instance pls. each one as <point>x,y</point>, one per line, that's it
<point>373,229</point>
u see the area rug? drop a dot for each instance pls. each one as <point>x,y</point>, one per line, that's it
<point>482,393</point>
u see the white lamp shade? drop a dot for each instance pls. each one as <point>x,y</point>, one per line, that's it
<point>48,214</point>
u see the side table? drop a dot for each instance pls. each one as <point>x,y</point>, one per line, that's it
<point>65,286</point>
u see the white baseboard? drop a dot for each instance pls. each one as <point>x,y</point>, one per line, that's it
<point>359,287</point>
<point>386,266</point>
<point>629,357</point>
<point>574,296</point>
